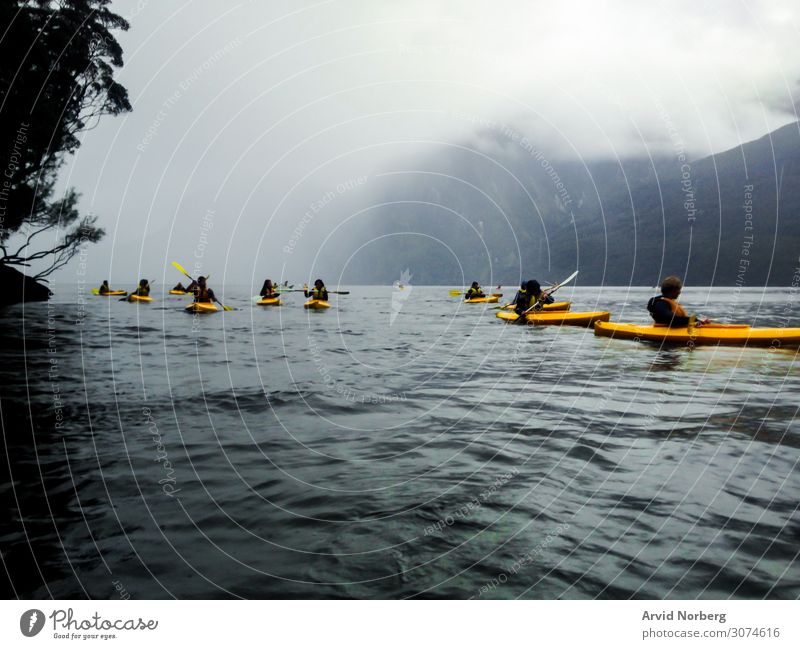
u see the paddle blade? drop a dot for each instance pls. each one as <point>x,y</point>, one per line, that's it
<point>455,293</point>
<point>95,291</point>
<point>181,269</point>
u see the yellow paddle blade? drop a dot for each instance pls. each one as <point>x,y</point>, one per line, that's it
<point>95,291</point>
<point>181,269</point>
<point>455,293</point>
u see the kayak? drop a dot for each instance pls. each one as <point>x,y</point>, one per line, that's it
<point>490,299</point>
<point>316,304</point>
<point>96,291</point>
<point>270,301</point>
<point>201,307</point>
<point>575,318</point>
<point>179,292</point>
<point>553,306</point>
<point>139,298</point>
<point>710,334</point>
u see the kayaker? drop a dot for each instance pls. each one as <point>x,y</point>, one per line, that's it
<point>521,296</point>
<point>319,292</point>
<point>269,289</point>
<point>474,291</point>
<point>179,287</point>
<point>143,290</point>
<point>534,296</point>
<point>192,287</point>
<point>104,288</point>
<point>665,308</point>
<point>202,293</point>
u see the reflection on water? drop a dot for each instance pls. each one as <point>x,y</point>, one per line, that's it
<point>391,448</point>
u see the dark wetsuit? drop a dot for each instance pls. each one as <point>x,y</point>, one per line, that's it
<point>664,311</point>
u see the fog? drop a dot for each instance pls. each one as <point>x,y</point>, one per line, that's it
<point>259,127</point>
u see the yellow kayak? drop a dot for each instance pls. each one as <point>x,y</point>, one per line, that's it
<point>489,299</point>
<point>180,292</point>
<point>575,318</point>
<point>270,301</point>
<point>201,307</point>
<point>553,306</point>
<point>710,334</point>
<point>139,298</point>
<point>96,291</point>
<point>316,304</point>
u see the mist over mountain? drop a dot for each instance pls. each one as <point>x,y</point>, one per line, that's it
<point>498,209</point>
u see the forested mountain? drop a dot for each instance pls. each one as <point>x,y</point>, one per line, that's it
<point>498,209</point>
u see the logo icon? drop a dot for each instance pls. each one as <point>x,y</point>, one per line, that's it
<point>401,290</point>
<point>31,622</point>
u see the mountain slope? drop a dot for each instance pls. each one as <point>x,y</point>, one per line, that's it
<point>499,210</point>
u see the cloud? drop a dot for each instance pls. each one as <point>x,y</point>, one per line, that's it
<point>256,110</point>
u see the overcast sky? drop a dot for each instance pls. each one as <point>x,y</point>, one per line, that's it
<point>249,115</point>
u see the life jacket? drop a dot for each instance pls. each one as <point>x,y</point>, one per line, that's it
<point>104,289</point>
<point>319,293</point>
<point>677,309</point>
<point>201,294</point>
<point>142,291</point>
<point>529,300</point>
<point>473,293</point>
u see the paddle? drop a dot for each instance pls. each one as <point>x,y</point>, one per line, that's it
<point>304,290</point>
<point>552,290</point>
<point>456,293</point>
<point>183,270</point>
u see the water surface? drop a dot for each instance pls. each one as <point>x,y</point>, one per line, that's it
<point>400,444</point>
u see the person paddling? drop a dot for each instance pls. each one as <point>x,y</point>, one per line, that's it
<point>319,292</point>
<point>202,293</point>
<point>533,296</point>
<point>179,287</point>
<point>665,308</point>
<point>104,288</point>
<point>474,291</point>
<point>143,290</point>
<point>269,289</point>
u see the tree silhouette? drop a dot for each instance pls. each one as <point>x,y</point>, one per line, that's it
<point>57,61</point>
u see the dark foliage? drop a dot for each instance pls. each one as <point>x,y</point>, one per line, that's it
<point>57,63</point>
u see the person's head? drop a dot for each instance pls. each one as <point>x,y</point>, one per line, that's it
<point>671,287</point>
<point>318,283</point>
<point>533,287</point>
<point>474,284</point>
<point>142,282</point>
<point>105,281</point>
<point>201,281</point>
<point>523,285</point>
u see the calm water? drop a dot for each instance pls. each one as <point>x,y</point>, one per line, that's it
<point>400,444</point>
